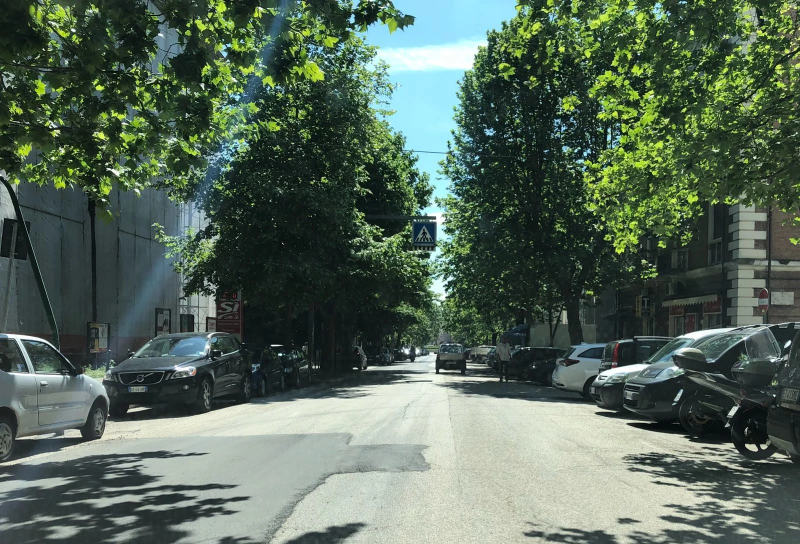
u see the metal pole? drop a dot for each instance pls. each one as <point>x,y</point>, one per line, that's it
<point>11,256</point>
<point>37,273</point>
<point>769,262</point>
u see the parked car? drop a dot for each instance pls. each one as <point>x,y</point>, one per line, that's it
<point>378,356</point>
<point>480,353</point>
<point>295,365</point>
<point>266,369</point>
<point>451,357</point>
<point>187,368</point>
<point>607,388</point>
<point>578,368</point>
<point>653,393</point>
<point>491,357</point>
<point>631,351</point>
<point>535,364</point>
<point>399,355</point>
<point>42,392</point>
<point>356,358</point>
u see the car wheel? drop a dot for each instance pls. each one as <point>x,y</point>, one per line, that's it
<point>548,380</point>
<point>464,369</point>
<point>297,378</point>
<point>8,432</point>
<point>437,369</point>
<point>247,389</point>
<point>283,382</point>
<point>694,421</point>
<point>587,387</point>
<point>795,459</point>
<point>95,424</point>
<point>118,409</point>
<point>204,393</point>
<point>262,388</point>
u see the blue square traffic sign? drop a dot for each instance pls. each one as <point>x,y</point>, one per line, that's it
<point>423,234</point>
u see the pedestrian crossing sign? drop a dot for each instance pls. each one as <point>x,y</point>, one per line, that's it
<point>423,234</point>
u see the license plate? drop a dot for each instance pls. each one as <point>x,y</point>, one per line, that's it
<point>733,412</point>
<point>137,389</point>
<point>629,395</point>
<point>790,395</point>
<point>678,396</point>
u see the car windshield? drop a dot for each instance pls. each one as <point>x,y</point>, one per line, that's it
<point>715,346</point>
<point>450,348</point>
<point>665,353</point>
<point>194,346</point>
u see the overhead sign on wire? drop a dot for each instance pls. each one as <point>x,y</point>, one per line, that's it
<point>423,235</point>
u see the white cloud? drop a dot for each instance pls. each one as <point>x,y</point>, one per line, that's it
<point>429,58</point>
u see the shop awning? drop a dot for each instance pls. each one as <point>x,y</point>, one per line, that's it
<point>690,300</point>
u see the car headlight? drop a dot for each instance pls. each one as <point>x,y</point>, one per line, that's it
<point>672,372</point>
<point>184,372</point>
<point>109,376</point>
<point>617,378</point>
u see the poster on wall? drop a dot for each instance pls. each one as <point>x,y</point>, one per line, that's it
<point>97,335</point>
<point>211,324</point>
<point>163,321</point>
<point>229,313</point>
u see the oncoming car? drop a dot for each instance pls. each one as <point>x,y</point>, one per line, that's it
<point>451,357</point>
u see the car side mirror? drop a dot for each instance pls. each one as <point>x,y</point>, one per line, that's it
<point>77,371</point>
<point>215,353</point>
<point>689,359</point>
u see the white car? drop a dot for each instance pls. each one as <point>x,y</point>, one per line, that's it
<point>578,368</point>
<point>42,392</point>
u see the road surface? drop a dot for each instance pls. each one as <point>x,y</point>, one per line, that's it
<point>395,454</point>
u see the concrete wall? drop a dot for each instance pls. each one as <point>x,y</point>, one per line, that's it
<point>133,275</point>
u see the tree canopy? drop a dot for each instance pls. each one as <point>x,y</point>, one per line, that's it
<point>704,94</point>
<point>525,236</point>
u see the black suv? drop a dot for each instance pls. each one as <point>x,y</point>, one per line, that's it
<point>631,351</point>
<point>187,368</point>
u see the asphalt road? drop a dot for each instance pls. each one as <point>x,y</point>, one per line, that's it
<point>396,454</point>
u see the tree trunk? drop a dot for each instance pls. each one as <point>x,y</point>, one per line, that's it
<point>93,234</point>
<point>330,340</point>
<point>311,327</point>
<point>574,322</point>
<point>287,326</point>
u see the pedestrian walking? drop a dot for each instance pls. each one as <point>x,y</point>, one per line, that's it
<point>503,356</point>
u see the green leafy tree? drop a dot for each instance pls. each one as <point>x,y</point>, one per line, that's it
<point>287,216</point>
<point>525,235</point>
<point>104,93</point>
<point>705,94</point>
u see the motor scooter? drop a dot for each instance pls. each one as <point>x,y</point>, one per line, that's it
<point>743,403</point>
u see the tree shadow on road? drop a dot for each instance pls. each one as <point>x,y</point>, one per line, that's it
<point>102,499</point>
<point>734,501</point>
<point>28,447</point>
<point>331,535</point>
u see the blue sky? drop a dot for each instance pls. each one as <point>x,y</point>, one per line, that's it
<point>427,60</point>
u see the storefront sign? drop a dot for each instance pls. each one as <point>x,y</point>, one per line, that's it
<point>229,313</point>
<point>97,335</point>
<point>714,307</point>
<point>163,321</point>
<point>676,310</point>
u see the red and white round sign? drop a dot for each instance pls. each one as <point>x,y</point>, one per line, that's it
<point>763,301</point>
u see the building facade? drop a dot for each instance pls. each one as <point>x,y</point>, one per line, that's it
<point>138,292</point>
<point>715,280</point>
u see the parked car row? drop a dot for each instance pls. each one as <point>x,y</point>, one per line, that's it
<point>746,378</point>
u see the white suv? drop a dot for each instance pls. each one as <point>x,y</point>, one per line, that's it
<point>578,368</point>
<point>42,392</point>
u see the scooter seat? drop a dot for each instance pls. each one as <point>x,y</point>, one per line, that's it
<point>722,379</point>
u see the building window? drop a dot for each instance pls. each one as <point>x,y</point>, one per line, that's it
<point>676,325</point>
<point>713,321</point>
<point>716,234</point>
